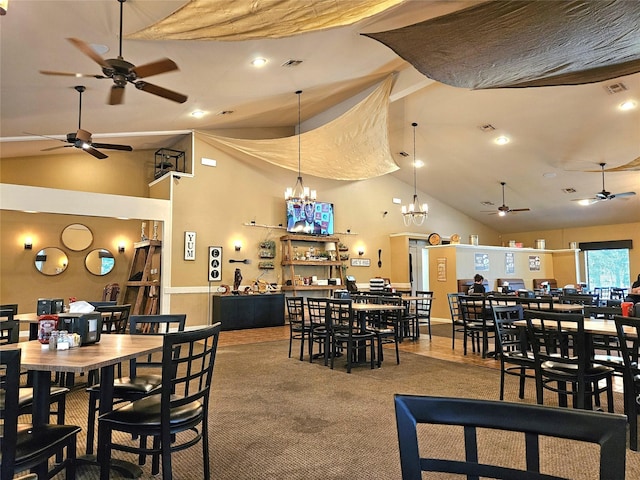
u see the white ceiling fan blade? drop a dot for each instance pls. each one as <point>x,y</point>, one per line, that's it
<point>622,195</point>
<point>586,201</point>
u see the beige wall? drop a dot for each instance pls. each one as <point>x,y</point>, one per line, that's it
<point>216,202</point>
<point>21,283</point>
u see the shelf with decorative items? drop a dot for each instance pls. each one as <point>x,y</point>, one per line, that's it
<point>300,251</point>
<point>267,249</point>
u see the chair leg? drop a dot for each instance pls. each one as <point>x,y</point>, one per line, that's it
<point>205,448</point>
<point>155,460</point>
<point>372,354</point>
<point>290,340</point>
<point>523,378</point>
<point>633,420</point>
<point>104,450</point>
<point>303,337</point>
<point>91,421</point>
<point>502,380</point>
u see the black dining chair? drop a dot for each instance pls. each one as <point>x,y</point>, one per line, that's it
<point>423,311</point>
<point>145,376</point>
<point>319,334</point>
<point>386,326</point>
<point>513,346</point>
<point>478,323</point>
<point>457,324</point>
<point>299,329</point>
<point>347,334</point>
<point>181,406</point>
<point>537,425</point>
<point>563,360</point>
<point>628,329</point>
<point>25,446</point>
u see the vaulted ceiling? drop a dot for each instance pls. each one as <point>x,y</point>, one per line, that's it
<point>558,134</point>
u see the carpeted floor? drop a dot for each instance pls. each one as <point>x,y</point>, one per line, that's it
<point>274,417</point>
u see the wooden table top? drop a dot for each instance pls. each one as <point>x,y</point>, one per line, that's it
<point>594,327</point>
<point>111,349</point>
<point>375,307</point>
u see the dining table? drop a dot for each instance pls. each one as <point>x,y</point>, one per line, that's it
<point>361,309</point>
<point>104,355</point>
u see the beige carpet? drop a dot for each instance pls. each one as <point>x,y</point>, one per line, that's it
<point>278,418</point>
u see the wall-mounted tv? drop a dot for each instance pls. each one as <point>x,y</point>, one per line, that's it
<point>316,218</point>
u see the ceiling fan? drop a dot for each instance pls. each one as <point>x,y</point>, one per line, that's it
<point>82,138</point>
<point>123,72</point>
<point>603,195</point>
<point>504,209</point>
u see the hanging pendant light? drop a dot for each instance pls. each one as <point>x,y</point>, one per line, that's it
<point>299,194</point>
<point>415,213</point>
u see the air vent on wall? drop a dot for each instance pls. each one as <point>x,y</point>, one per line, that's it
<point>615,88</point>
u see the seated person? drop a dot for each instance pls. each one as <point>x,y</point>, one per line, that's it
<point>634,293</point>
<point>477,286</point>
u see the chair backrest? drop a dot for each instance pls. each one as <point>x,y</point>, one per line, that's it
<point>339,316</point>
<point>628,329</point>
<point>9,410</point>
<point>601,312</point>
<point>617,293</point>
<point>580,299</point>
<point>508,335</point>
<point>535,303</point>
<point>10,306</point>
<point>105,303</point>
<point>187,370</point>
<point>110,292</point>
<point>533,421</point>
<point>9,327</point>
<point>153,325</point>
<point>295,310</point>
<point>454,307</point>
<point>317,310</point>
<point>423,305</point>
<point>472,308</point>
<point>560,338</point>
<point>115,318</point>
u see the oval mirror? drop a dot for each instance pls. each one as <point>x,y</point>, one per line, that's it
<point>77,237</point>
<point>99,261</point>
<point>51,261</point>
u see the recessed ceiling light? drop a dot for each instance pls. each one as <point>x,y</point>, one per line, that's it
<point>99,48</point>
<point>502,140</point>
<point>628,105</point>
<point>259,62</point>
<point>197,114</point>
<point>549,175</point>
<point>419,163</point>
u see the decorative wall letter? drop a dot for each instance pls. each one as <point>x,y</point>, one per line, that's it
<point>189,245</point>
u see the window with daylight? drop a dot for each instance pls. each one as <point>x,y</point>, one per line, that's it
<point>607,263</point>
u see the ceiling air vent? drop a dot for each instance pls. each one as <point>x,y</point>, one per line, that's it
<point>403,154</point>
<point>615,88</point>
<point>225,112</point>
<point>487,204</point>
<point>487,127</point>
<point>292,63</point>
<point>569,190</point>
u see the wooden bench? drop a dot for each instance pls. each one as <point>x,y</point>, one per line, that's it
<point>465,283</point>
<point>537,283</point>
<point>515,284</point>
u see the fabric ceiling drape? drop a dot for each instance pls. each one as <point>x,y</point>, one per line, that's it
<point>354,146</point>
<point>524,43</point>
<point>235,20</point>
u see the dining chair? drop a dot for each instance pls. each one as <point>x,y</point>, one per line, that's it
<point>9,326</point>
<point>586,299</point>
<point>387,327</point>
<point>606,348</point>
<point>563,360</point>
<point>298,328</point>
<point>319,334</point>
<point>182,405</point>
<point>145,377</point>
<point>25,446</point>
<point>515,356</point>
<point>423,311</point>
<point>478,323</point>
<point>457,324</point>
<point>346,331</point>
<point>115,318</point>
<point>628,329</point>
<point>537,425</point>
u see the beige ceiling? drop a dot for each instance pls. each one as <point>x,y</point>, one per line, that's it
<point>563,132</point>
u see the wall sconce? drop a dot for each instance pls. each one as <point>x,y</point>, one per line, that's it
<point>360,251</point>
<point>237,245</point>
<point>28,243</point>
<point>121,247</point>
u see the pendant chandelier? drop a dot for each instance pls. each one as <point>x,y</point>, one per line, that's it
<point>299,195</point>
<point>415,213</point>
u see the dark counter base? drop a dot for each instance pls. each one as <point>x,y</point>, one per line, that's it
<point>237,312</point>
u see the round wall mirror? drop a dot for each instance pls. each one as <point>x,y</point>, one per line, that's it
<point>51,261</point>
<point>99,261</point>
<point>77,237</point>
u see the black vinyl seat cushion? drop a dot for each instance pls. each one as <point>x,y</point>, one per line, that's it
<point>34,442</point>
<point>143,384</point>
<point>146,411</point>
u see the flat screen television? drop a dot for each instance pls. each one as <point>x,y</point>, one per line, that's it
<point>315,218</point>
